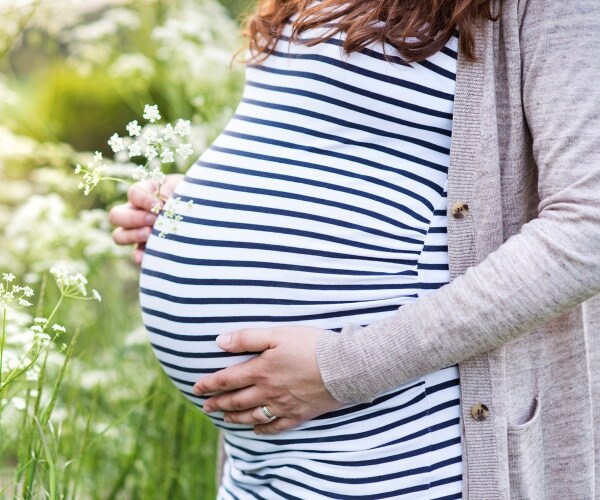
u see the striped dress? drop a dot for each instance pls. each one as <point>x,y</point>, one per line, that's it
<point>322,202</point>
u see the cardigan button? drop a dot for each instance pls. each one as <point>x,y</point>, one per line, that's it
<point>459,209</point>
<point>480,412</point>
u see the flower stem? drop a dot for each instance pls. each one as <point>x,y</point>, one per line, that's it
<point>2,343</point>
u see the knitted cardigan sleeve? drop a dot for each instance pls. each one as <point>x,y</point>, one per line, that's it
<point>551,265</point>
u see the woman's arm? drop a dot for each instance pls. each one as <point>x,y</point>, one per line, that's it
<point>551,265</point>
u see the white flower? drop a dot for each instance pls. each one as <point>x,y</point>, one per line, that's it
<point>135,149</point>
<point>134,129</point>
<point>8,277</point>
<point>97,157</point>
<point>185,151</point>
<point>140,173</point>
<point>151,113</point>
<point>168,132</point>
<point>36,329</point>
<point>24,303</point>
<point>78,169</point>
<point>42,338</point>
<point>96,295</point>
<point>27,291</point>
<point>183,128</point>
<point>58,328</point>
<point>157,176</point>
<point>151,135</point>
<point>116,143</point>
<point>40,321</point>
<point>150,153</point>
<point>167,156</point>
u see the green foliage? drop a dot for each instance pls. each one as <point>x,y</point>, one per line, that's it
<point>96,417</point>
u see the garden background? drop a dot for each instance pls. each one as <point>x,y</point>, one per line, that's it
<point>87,412</point>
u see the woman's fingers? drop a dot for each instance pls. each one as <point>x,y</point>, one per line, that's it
<point>123,236</point>
<point>143,195</point>
<point>240,400</point>
<point>129,217</point>
<point>138,253</point>
<point>254,416</point>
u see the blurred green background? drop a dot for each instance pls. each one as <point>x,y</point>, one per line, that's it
<point>73,73</point>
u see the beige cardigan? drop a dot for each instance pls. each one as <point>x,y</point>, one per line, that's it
<point>521,315</point>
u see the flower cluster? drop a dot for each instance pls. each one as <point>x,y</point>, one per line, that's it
<point>168,222</point>
<point>72,285</point>
<point>148,147</point>
<point>11,294</point>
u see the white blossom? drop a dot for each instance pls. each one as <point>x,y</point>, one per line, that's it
<point>185,151</point>
<point>157,175</point>
<point>150,153</point>
<point>134,129</point>
<point>168,132</point>
<point>116,143</point>
<point>151,113</point>
<point>167,156</point>
<point>58,328</point>
<point>183,128</point>
<point>135,149</point>
<point>140,173</point>
<point>96,295</point>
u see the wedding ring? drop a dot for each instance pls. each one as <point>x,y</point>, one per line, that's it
<point>266,412</point>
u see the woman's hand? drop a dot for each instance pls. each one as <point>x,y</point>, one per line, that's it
<point>134,219</point>
<point>284,378</point>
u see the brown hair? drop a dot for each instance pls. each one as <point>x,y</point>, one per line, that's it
<point>416,28</point>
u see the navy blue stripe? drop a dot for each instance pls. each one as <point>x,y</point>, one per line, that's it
<point>353,68</point>
<point>291,213</point>
<point>187,369</point>
<point>372,431</point>
<point>343,172</point>
<point>196,354</point>
<point>400,456</point>
<point>362,406</point>
<point>175,318</point>
<point>345,123</point>
<point>433,428</point>
<point>285,249</point>
<point>295,196</point>
<point>433,267</point>
<point>180,337</point>
<point>421,432</point>
<point>337,138</point>
<point>345,105</point>
<point>355,90</point>
<point>276,284</point>
<point>297,232</point>
<point>432,389</point>
<point>368,416</point>
<point>367,479</point>
<point>385,57</point>
<point>326,185</point>
<point>245,264</point>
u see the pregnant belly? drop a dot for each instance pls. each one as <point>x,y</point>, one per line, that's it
<point>247,254</point>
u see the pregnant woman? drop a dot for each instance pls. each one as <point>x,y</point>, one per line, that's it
<point>405,197</point>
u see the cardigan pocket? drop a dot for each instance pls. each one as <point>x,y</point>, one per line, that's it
<point>526,457</point>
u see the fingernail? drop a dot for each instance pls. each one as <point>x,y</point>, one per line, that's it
<point>196,391</point>
<point>150,219</point>
<point>224,340</point>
